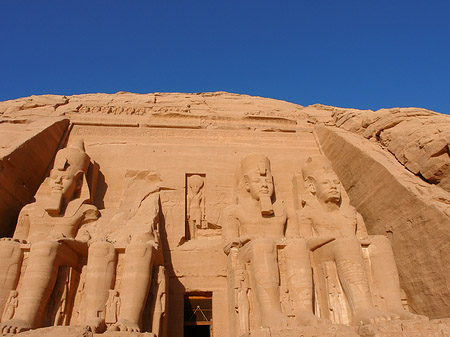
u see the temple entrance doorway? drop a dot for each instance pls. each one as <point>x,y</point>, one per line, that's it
<point>198,314</point>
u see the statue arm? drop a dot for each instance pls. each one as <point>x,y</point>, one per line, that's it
<point>306,230</point>
<point>361,230</point>
<point>23,226</point>
<point>292,230</point>
<point>230,229</point>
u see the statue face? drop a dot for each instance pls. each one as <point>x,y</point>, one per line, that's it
<point>64,183</point>
<point>259,185</point>
<point>327,187</point>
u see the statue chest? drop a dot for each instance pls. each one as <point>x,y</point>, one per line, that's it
<point>334,224</point>
<point>253,223</point>
<point>45,227</point>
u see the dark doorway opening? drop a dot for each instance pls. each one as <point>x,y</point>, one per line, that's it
<point>198,314</point>
<point>197,331</point>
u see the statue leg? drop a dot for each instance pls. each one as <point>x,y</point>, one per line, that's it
<point>136,280</point>
<point>352,274</point>
<point>10,262</point>
<point>300,282</point>
<point>100,274</point>
<point>38,283</point>
<point>384,273</point>
<point>266,282</point>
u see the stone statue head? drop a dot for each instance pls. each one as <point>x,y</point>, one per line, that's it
<point>256,179</point>
<point>195,183</point>
<point>320,181</point>
<point>66,177</point>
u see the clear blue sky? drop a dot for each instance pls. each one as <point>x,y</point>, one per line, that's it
<point>362,54</point>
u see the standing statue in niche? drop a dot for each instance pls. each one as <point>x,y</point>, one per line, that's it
<point>50,225</point>
<point>254,226</point>
<point>196,214</point>
<point>335,232</point>
<point>137,224</point>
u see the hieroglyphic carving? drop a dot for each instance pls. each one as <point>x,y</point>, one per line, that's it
<point>50,225</point>
<point>195,207</point>
<point>336,232</point>
<point>253,230</point>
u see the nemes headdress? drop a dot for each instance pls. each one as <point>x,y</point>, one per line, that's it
<point>255,161</point>
<point>315,164</point>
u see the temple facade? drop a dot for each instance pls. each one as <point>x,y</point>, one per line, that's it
<point>222,215</point>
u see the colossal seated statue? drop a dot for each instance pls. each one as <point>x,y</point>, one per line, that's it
<point>47,227</point>
<point>336,232</point>
<point>135,235</point>
<point>254,237</point>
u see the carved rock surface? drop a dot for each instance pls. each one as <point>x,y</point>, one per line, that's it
<point>418,138</point>
<point>392,162</point>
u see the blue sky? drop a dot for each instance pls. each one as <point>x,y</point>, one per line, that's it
<point>361,54</point>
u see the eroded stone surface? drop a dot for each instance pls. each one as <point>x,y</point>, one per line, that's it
<point>130,137</point>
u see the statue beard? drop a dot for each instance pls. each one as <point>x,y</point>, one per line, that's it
<point>54,203</point>
<point>265,203</point>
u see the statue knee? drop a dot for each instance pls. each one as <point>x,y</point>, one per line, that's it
<point>263,246</point>
<point>297,248</point>
<point>47,249</point>
<point>101,249</point>
<point>138,249</point>
<point>380,244</point>
<point>9,249</point>
<point>347,247</point>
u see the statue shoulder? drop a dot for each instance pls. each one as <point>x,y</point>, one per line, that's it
<point>231,210</point>
<point>88,212</point>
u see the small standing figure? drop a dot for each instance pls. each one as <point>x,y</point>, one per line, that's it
<point>242,303</point>
<point>158,292</point>
<point>11,305</point>
<point>196,214</point>
<point>112,307</point>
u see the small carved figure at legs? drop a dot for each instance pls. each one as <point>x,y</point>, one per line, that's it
<point>112,307</point>
<point>11,305</point>
<point>159,300</point>
<point>10,262</point>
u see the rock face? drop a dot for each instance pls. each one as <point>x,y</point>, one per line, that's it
<point>221,214</point>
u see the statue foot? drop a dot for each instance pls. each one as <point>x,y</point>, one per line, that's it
<point>406,315</point>
<point>373,315</point>
<point>14,326</point>
<point>95,325</point>
<point>125,325</point>
<point>307,318</point>
<point>275,320</point>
